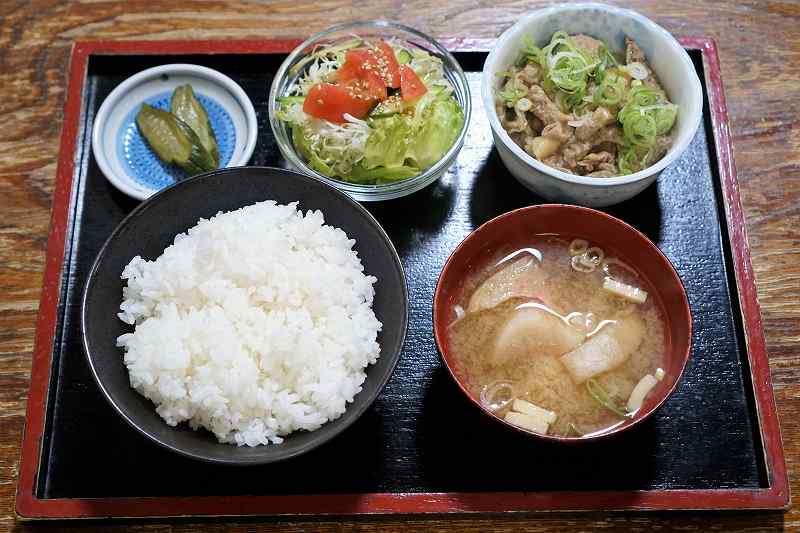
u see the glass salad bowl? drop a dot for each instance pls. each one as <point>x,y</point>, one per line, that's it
<point>302,64</point>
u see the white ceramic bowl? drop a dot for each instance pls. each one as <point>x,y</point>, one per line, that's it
<point>611,25</point>
<point>124,156</point>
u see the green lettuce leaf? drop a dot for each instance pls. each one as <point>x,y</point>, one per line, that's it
<point>439,129</point>
<point>387,144</point>
<point>359,174</point>
<point>304,149</point>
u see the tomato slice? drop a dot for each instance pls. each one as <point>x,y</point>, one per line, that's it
<point>381,61</point>
<point>372,86</point>
<point>355,97</point>
<point>411,86</point>
<point>392,71</point>
<point>331,102</point>
<point>349,71</point>
<point>362,82</point>
<point>354,65</point>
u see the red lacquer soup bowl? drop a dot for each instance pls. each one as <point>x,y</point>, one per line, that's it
<point>626,243</point>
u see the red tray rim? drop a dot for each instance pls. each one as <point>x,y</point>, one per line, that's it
<point>29,506</point>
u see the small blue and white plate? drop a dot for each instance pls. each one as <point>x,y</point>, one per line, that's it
<point>124,156</point>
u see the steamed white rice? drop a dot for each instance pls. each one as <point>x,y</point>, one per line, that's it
<point>253,324</point>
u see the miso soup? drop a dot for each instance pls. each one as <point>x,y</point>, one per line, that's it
<point>558,337</point>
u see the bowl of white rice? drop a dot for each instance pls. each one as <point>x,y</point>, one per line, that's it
<point>245,316</point>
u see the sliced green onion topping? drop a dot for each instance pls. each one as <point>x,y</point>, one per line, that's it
<point>639,128</point>
<point>631,160</point>
<point>607,61</point>
<point>568,70</point>
<point>611,91</point>
<point>642,96</point>
<point>597,392</point>
<point>530,54</point>
<point>646,115</point>
<point>573,429</point>
<point>665,117</point>
<point>567,66</point>
<point>513,91</point>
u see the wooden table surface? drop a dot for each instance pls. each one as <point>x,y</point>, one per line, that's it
<point>759,43</point>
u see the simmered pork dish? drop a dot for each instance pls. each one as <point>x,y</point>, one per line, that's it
<point>558,339</point>
<point>576,107</point>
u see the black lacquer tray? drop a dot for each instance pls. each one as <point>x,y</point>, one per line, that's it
<point>421,447</point>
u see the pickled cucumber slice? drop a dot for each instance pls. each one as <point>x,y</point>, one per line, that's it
<point>173,141</point>
<point>185,105</point>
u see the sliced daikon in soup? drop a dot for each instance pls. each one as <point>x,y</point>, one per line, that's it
<point>606,349</point>
<point>519,275</point>
<point>534,330</point>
